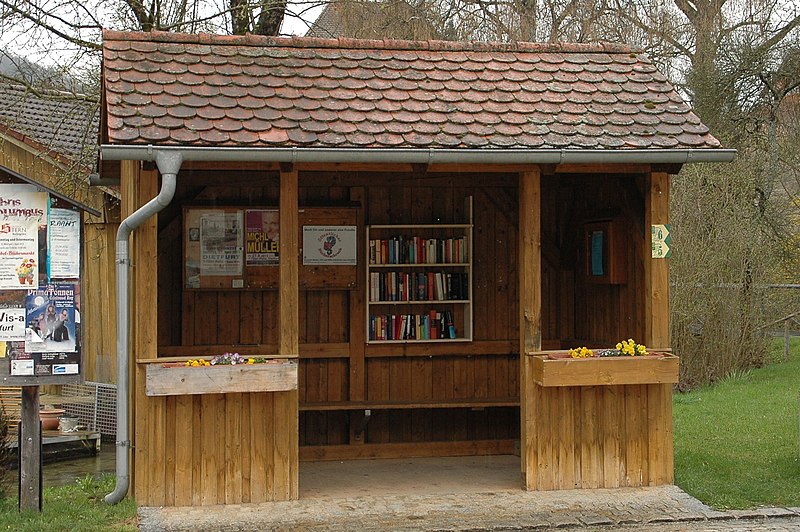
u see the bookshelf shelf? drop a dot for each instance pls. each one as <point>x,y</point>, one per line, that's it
<point>419,282</point>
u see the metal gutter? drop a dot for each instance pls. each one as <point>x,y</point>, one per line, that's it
<point>420,156</point>
<point>169,163</point>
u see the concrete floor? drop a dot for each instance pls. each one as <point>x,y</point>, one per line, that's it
<point>384,477</point>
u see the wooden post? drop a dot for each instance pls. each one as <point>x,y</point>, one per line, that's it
<point>660,448</point>
<point>656,270</point>
<point>357,362</point>
<point>530,315</point>
<point>30,451</point>
<point>286,403</point>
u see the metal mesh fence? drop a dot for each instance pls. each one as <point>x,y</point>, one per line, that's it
<point>95,404</point>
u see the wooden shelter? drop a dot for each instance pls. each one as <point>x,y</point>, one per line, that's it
<point>486,203</point>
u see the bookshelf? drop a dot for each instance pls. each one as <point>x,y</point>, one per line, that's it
<point>419,282</point>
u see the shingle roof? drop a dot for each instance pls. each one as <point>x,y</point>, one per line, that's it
<point>58,122</point>
<point>203,90</point>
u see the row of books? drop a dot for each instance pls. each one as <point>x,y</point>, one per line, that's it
<point>418,286</point>
<point>418,250</point>
<point>434,325</point>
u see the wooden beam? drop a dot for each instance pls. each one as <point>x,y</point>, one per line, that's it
<point>288,294</point>
<point>406,450</point>
<point>530,312</point>
<point>656,293</point>
<point>286,428</point>
<point>30,451</point>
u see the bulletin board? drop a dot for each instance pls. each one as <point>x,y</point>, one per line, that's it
<point>237,247</point>
<point>40,269</point>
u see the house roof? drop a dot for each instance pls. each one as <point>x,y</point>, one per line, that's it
<point>7,174</point>
<point>60,123</point>
<point>251,91</point>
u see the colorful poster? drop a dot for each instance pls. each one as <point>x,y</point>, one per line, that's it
<point>262,230</point>
<point>23,215</point>
<point>50,319</point>
<point>64,244</point>
<point>221,243</point>
<point>334,245</point>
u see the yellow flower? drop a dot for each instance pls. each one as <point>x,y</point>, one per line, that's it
<point>251,360</point>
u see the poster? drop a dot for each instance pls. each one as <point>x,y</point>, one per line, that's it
<point>23,363</point>
<point>262,229</point>
<point>12,324</point>
<point>334,245</point>
<point>23,217</point>
<point>50,319</point>
<point>221,243</point>
<point>64,239</point>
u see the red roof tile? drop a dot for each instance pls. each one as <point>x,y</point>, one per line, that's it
<point>207,90</point>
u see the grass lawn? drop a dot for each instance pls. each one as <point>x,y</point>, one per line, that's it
<point>737,443</point>
<point>75,508</point>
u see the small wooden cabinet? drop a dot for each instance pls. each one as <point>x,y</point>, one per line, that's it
<point>419,282</point>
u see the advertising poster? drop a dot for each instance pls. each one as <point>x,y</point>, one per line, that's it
<point>23,214</point>
<point>12,324</point>
<point>262,232</point>
<point>64,244</point>
<point>221,243</point>
<point>50,319</point>
<point>335,245</point>
<point>23,363</point>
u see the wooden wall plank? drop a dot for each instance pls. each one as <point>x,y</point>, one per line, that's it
<point>184,444</point>
<point>261,457</point>
<point>233,448</point>
<point>210,458</point>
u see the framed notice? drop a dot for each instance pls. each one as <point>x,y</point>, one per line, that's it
<point>229,247</point>
<point>213,247</point>
<point>330,245</point>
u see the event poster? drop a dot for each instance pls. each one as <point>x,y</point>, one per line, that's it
<point>64,244</point>
<point>334,245</point>
<point>23,213</point>
<point>221,243</point>
<point>50,319</point>
<point>262,229</point>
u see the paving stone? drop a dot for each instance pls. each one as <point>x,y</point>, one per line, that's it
<point>595,520</point>
<point>775,512</point>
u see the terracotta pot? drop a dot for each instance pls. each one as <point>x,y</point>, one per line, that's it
<point>49,417</point>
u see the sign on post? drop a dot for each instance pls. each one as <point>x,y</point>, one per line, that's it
<point>661,240</point>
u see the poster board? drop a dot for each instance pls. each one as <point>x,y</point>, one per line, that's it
<point>40,334</point>
<point>252,243</point>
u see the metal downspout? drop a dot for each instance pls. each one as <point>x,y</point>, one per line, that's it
<point>169,163</point>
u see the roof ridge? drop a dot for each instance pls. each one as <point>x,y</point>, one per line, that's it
<point>61,95</point>
<point>379,44</point>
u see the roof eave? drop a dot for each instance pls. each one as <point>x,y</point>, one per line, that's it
<point>422,156</point>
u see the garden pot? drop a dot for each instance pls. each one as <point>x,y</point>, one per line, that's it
<point>49,417</point>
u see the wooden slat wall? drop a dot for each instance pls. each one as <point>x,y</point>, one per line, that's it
<point>599,437</point>
<point>99,303</point>
<point>210,449</point>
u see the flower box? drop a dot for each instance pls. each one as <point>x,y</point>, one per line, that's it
<point>557,370</point>
<point>179,379</point>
